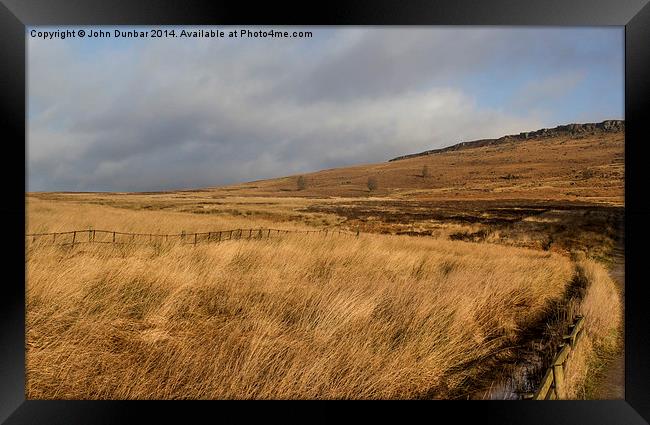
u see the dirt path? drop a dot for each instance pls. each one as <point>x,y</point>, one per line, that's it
<point>612,385</point>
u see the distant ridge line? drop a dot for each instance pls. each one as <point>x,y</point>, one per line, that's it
<point>606,126</point>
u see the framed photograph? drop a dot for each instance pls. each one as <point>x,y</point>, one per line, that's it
<point>434,202</point>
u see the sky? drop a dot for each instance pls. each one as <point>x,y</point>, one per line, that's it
<point>148,114</point>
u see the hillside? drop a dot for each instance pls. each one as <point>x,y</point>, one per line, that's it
<point>569,131</point>
<point>576,163</point>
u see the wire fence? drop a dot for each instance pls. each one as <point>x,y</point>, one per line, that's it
<point>75,237</point>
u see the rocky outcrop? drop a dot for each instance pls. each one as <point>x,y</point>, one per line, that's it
<point>569,130</point>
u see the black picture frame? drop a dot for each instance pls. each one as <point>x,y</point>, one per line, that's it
<point>15,15</point>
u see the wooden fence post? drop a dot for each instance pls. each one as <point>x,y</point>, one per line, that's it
<point>195,239</point>
<point>545,386</point>
<point>558,370</point>
<point>74,236</point>
<point>113,237</point>
<point>558,377</point>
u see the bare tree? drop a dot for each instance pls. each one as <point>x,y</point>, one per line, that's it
<point>425,171</point>
<point>301,183</point>
<point>372,183</point>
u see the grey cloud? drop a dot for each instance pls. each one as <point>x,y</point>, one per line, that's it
<point>385,62</point>
<point>392,60</point>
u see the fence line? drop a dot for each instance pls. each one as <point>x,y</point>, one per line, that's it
<point>552,385</point>
<point>74,237</point>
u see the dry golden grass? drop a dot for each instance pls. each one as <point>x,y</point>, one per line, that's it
<point>601,307</point>
<point>314,317</point>
<point>301,316</point>
<point>65,215</point>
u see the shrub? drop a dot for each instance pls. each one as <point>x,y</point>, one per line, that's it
<point>372,184</point>
<point>301,183</point>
